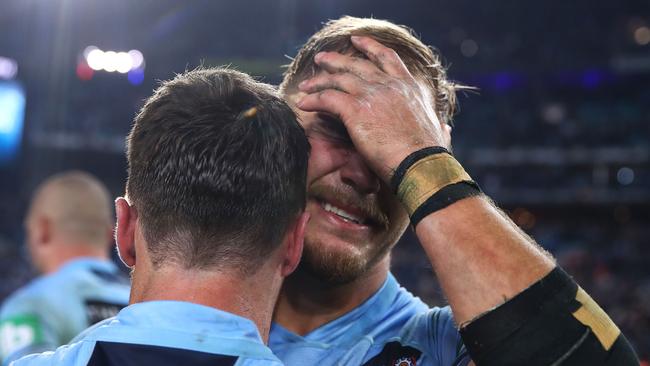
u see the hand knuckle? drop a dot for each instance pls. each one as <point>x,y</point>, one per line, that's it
<point>387,54</point>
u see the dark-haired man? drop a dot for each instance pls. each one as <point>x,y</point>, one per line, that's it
<point>376,105</point>
<point>211,223</point>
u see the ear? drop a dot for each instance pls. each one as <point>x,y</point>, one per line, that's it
<point>127,217</point>
<point>44,232</point>
<point>294,244</point>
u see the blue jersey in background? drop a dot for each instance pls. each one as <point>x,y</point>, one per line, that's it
<point>53,309</point>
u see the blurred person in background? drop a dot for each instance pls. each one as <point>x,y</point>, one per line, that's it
<point>211,224</point>
<point>377,106</point>
<point>69,229</point>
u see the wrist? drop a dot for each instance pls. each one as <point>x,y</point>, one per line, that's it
<point>429,180</point>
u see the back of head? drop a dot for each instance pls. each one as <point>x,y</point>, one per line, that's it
<point>78,207</point>
<point>422,61</point>
<point>217,170</point>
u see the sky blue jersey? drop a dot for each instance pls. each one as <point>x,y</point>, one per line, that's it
<point>392,328</point>
<point>52,309</point>
<point>163,333</point>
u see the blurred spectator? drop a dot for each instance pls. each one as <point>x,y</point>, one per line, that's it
<point>69,237</point>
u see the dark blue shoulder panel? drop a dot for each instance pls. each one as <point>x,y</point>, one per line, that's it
<point>126,354</point>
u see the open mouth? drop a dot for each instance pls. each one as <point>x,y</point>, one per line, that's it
<point>345,216</point>
<point>356,217</point>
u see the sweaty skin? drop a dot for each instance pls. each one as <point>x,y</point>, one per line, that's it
<point>480,257</point>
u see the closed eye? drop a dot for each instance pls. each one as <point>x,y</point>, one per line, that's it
<point>330,128</point>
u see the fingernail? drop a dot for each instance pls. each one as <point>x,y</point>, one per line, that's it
<point>355,38</point>
<point>302,84</point>
<point>318,56</point>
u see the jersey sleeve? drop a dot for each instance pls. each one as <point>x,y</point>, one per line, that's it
<point>25,328</point>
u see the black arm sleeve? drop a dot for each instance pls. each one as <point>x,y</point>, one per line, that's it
<point>553,322</point>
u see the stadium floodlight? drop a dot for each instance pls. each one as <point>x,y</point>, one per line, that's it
<point>110,61</point>
<point>95,59</point>
<point>137,59</point>
<point>113,61</point>
<point>123,62</point>
<point>8,68</point>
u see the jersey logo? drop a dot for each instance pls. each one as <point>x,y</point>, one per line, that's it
<point>405,361</point>
<point>126,354</point>
<point>395,354</point>
<point>97,311</point>
<point>19,332</point>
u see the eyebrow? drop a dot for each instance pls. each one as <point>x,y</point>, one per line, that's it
<point>331,127</point>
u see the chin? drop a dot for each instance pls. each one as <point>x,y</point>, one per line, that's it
<point>339,264</point>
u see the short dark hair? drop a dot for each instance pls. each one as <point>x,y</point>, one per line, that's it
<point>422,61</point>
<point>217,166</point>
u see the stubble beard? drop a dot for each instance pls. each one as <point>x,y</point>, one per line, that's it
<point>335,266</point>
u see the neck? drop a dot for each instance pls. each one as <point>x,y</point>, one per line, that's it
<point>306,303</point>
<point>246,296</point>
<point>65,253</point>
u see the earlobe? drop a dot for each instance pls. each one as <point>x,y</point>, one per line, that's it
<point>125,231</point>
<point>295,244</point>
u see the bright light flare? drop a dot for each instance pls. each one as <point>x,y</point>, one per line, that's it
<point>123,62</point>
<point>137,59</point>
<point>112,61</point>
<point>95,59</point>
<point>8,68</point>
<point>642,36</point>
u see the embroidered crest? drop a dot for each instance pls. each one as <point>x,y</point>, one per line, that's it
<point>395,354</point>
<point>405,361</point>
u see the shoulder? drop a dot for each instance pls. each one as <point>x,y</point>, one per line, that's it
<point>433,320</point>
<point>425,330</point>
<point>73,354</point>
<point>436,334</point>
<point>33,294</point>
<point>34,299</point>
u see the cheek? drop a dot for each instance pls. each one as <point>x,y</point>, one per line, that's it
<point>323,159</point>
<point>398,216</point>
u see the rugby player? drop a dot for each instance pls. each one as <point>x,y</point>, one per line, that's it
<point>376,105</point>
<point>69,229</point>
<point>211,223</point>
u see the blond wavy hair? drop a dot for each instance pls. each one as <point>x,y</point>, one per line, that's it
<point>422,61</point>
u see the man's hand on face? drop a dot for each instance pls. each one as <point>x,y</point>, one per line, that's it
<point>386,111</point>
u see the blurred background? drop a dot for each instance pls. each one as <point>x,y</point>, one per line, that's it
<point>558,133</point>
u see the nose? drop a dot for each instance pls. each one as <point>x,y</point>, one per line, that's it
<point>356,173</point>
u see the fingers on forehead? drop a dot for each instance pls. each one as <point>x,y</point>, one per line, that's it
<point>330,101</point>
<point>335,62</point>
<point>345,82</point>
<point>386,58</point>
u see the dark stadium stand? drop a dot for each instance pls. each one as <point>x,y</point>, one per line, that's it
<point>557,132</point>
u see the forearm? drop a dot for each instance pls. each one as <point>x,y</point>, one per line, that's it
<point>513,303</point>
<point>480,257</point>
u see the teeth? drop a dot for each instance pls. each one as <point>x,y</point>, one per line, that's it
<point>345,215</point>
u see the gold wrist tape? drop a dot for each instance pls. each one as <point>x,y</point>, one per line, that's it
<point>426,177</point>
